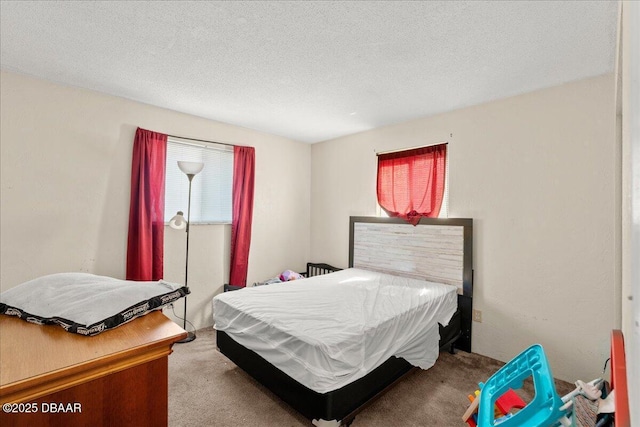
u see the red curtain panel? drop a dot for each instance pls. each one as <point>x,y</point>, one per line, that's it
<point>243,184</point>
<point>146,212</point>
<point>410,183</point>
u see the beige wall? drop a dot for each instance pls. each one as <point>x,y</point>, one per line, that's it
<point>65,186</point>
<point>537,174</point>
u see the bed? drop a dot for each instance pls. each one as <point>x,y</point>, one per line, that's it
<point>424,271</point>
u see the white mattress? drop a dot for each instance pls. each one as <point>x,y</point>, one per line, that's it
<point>327,331</point>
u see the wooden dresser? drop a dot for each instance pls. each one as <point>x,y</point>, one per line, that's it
<point>50,377</point>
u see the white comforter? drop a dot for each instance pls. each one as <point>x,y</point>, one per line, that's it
<point>328,331</point>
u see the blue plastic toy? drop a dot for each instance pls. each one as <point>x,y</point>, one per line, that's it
<point>543,411</point>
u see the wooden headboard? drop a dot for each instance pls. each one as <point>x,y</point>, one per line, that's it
<point>437,250</point>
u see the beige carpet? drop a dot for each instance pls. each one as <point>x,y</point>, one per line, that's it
<point>206,389</point>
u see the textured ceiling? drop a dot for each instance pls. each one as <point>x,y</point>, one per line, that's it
<point>308,70</point>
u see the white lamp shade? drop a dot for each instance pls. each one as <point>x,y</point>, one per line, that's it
<point>178,222</point>
<point>190,168</point>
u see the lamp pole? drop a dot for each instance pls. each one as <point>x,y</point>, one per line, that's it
<point>190,335</point>
<point>190,169</point>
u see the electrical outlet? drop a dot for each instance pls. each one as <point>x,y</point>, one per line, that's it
<point>477,316</point>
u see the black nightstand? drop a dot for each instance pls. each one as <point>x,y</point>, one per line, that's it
<point>228,288</point>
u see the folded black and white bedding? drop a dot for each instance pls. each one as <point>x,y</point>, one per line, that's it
<point>330,330</point>
<point>84,303</point>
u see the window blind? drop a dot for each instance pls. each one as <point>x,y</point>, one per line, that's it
<point>210,189</point>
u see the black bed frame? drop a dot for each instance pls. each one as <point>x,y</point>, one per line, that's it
<point>318,269</point>
<point>344,403</point>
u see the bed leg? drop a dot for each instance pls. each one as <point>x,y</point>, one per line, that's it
<point>452,349</point>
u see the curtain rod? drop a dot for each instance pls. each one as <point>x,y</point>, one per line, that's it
<point>410,148</point>
<point>201,140</point>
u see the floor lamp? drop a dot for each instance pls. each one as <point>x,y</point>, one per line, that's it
<point>178,222</point>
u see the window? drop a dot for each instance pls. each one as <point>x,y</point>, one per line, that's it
<point>210,189</point>
<point>444,210</point>
<point>413,183</point>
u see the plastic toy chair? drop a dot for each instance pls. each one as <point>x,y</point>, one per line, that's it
<point>504,404</point>
<point>543,411</point>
